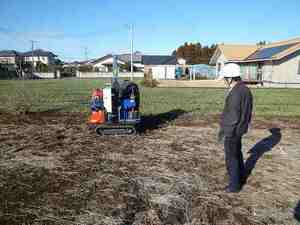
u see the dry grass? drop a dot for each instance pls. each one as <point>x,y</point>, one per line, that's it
<point>53,170</point>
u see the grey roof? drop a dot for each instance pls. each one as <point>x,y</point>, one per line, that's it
<point>9,53</point>
<point>159,60</point>
<point>39,52</point>
<point>107,57</point>
<point>268,53</point>
<point>137,57</point>
<point>101,59</point>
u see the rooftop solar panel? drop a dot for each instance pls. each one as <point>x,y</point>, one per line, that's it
<point>268,53</point>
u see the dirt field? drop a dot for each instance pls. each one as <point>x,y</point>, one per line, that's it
<point>54,170</point>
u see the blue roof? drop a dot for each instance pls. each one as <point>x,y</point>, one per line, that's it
<point>39,52</point>
<point>9,53</point>
<point>159,60</point>
<point>268,53</point>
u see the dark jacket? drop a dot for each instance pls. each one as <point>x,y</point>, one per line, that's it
<point>237,111</point>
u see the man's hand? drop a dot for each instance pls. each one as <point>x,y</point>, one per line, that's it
<point>220,136</point>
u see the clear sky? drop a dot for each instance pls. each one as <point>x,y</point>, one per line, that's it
<point>67,27</point>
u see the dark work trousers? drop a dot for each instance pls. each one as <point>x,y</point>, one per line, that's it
<point>234,162</point>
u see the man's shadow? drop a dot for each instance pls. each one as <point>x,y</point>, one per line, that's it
<point>257,151</point>
<point>297,212</point>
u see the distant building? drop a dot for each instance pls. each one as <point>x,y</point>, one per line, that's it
<point>137,60</point>
<point>161,67</point>
<point>272,64</point>
<point>39,55</point>
<point>105,64</point>
<point>10,58</point>
<point>230,53</point>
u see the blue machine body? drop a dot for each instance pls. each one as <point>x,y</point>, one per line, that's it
<point>127,107</point>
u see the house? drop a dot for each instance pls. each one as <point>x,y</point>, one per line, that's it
<point>10,58</point>
<point>275,64</point>
<point>160,66</point>
<point>136,60</point>
<point>230,53</point>
<point>39,55</point>
<point>104,64</point>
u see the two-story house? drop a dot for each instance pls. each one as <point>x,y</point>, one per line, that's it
<point>39,55</point>
<point>10,58</point>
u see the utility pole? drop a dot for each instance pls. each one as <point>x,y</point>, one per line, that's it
<point>131,65</point>
<point>32,54</point>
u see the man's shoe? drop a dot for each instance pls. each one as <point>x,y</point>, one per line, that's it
<point>228,190</point>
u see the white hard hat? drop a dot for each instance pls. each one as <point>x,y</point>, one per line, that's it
<point>229,71</point>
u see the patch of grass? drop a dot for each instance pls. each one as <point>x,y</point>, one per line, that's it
<point>73,95</point>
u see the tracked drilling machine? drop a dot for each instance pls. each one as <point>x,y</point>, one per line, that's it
<point>119,114</point>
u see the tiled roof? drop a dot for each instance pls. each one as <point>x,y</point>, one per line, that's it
<point>246,53</point>
<point>237,52</point>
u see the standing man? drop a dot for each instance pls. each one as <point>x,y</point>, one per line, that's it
<point>234,124</point>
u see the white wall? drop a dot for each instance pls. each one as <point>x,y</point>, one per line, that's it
<point>43,59</point>
<point>45,75</point>
<point>163,72</point>
<point>222,60</point>
<point>267,71</point>
<point>283,73</point>
<point>286,71</point>
<point>8,60</point>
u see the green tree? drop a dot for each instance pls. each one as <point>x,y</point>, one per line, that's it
<point>195,53</point>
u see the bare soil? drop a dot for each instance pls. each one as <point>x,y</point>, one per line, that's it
<point>55,170</point>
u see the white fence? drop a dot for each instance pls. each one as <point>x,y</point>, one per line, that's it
<point>106,75</point>
<point>280,84</point>
<point>47,75</point>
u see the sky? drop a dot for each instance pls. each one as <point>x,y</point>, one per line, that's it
<point>76,29</point>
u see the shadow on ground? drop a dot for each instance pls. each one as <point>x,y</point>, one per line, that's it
<point>258,150</point>
<point>297,212</point>
<point>152,122</point>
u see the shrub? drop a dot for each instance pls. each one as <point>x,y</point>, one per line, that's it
<point>149,83</point>
<point>148,80</point>
<point>42,67</point>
